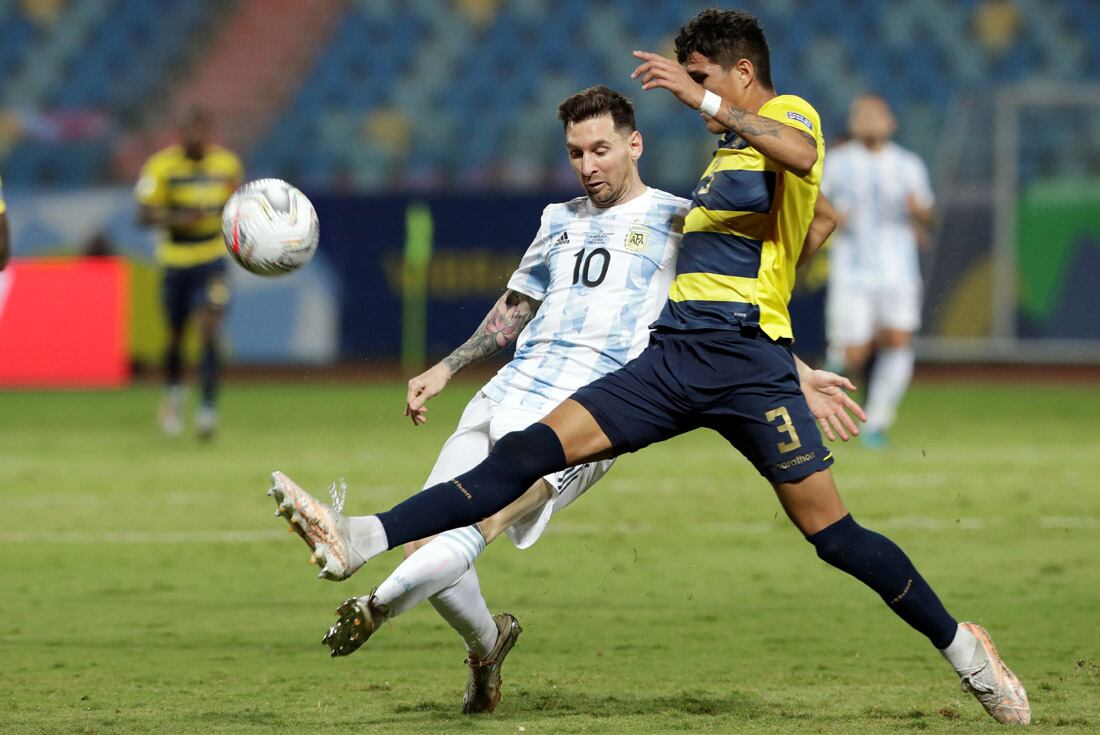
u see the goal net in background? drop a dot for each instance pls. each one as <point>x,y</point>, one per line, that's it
<point>1015,272</point>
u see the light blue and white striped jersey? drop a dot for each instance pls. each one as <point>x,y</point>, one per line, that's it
<point>602,276</point>
<point>877,243</point>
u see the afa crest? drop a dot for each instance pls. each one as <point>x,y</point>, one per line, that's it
<point>635,239</point>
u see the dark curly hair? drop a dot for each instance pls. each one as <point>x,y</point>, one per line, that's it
<point>726,36</point>
<point>596,101</point>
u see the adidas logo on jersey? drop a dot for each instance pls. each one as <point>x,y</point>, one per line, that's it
<point>563,239</point>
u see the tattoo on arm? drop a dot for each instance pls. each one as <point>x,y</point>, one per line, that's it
<point>744,122</point>
<point>500,328</point>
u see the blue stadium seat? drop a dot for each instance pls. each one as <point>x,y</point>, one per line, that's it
<point>442,68</point>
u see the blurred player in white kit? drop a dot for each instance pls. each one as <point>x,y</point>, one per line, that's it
<point>883,199</point>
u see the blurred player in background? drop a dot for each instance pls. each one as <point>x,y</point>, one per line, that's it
<point>719,358</point>
<point>182,190</point>
<point>883,201</point>
<point>580,305</point>
<point>5,245</point>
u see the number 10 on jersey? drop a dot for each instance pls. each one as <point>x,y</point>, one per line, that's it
<point>586,265</point>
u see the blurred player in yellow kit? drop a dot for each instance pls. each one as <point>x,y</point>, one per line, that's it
<point>182,190</point>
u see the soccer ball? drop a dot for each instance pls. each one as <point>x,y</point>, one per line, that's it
<point>270,227</point>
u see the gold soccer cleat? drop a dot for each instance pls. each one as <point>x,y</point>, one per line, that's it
<point>483,684</point>
<point>359,618</point>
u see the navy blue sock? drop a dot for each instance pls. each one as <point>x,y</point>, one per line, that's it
<point>208,374</point>
<point>878,562</point>
<point>513,465</point>
<point>173,363</point>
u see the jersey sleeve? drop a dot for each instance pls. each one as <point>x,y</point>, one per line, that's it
<point>532,278</point>
<point>794,111</point>
<point>918,184</point>
<point>151,189</point>
<point>834,180</point>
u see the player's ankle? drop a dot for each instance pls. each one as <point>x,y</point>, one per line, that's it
<point>367,536</point>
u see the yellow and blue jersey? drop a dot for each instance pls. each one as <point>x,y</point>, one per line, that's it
<point>171,180</point>
<point>744,233</point>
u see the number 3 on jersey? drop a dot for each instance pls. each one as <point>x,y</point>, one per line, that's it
<point>785,427</point>
<point>586,266</point>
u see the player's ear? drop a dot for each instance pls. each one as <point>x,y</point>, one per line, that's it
<point>744,72</point>
<point>634,141</point>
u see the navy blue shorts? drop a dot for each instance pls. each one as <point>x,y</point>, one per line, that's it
<point>186,290</point>
<point>741,384</point>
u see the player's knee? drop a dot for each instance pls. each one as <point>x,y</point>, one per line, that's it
<point>531,453</point>
<point>410,547</point>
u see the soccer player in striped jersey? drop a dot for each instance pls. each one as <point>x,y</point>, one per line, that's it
<point>883,198</point>
<point>579,306</point>
<point>182,190</point>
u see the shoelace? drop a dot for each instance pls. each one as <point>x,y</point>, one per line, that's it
<point>338,491</point>
<point>479,662</point>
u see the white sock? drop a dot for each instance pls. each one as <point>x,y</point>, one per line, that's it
<point>890,377</point>
<point>960,652</point>
<point>464,608</point>
<point>434,566</point>
<point>367,536</point>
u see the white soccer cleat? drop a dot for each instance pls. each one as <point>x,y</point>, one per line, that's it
<point>206,421</point>
<point>321,526</point>
<point>168,413</point>
<point>993,683</point>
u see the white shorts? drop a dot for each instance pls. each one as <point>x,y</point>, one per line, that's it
<point>856,313</point>
<point>482,424</point>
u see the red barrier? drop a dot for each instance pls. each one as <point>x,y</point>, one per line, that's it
<point>64,323</point>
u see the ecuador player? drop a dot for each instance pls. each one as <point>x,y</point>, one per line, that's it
<point>182,190</point>
<point>719,357</point>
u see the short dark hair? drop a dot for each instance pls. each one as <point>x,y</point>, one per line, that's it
<point>594,102</point>
<point>726,36</point>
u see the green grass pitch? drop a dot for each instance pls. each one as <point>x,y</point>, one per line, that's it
<point>145,586</point>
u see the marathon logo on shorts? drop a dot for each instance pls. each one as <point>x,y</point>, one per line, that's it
<point>802,119</point>
<point>795,461</point>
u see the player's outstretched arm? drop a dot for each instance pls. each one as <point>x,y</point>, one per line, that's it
<point>824,222</point>
<point>500,328</point>
<point>792,148</point>
<point>828,401</point>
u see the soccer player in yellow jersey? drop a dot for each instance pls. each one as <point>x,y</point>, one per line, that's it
<point>5,246</point>
<point>719,357</point>
<point>182,190</point>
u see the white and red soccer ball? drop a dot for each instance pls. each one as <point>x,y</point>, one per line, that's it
<point>270,227</point>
